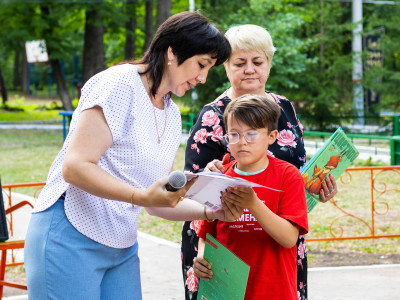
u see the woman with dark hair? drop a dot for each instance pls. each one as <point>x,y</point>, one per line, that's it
<point>82,237</point>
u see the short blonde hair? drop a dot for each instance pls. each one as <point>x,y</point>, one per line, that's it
<point>251,37</point>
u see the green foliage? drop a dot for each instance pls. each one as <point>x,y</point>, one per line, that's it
<point>18,110</point>
<point>312,66</point>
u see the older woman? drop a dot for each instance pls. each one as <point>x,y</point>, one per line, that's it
<point>248,70</point>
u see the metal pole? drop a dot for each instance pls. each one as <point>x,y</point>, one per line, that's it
<point>358,91</point>
<point>192,5</point>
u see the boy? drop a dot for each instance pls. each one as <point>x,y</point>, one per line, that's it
<point>265,235</point>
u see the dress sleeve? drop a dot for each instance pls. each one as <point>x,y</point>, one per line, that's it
<point>111,91</point>
<point>289,145</point>
<point>207,227</point>
<point>205,140</point>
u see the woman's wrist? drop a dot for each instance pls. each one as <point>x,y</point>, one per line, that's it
<point>208,214</point>
<point>136,197</point>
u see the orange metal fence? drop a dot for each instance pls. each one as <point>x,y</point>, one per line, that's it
<point>372,214</point>
<point>366,207</point>
<point>8,190</point>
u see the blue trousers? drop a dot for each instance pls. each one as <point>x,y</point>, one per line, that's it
<point>62,263</point>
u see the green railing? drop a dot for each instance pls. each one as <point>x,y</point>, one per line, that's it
<point>187,122</point>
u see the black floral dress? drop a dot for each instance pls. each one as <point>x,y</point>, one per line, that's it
<point>205,144</point>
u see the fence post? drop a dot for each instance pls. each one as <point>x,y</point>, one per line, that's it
<point>396,130</point>
<point>395,150</point>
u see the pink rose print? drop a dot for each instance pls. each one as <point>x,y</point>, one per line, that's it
<point>201,136</point>
<point>302,250</point>
<point>301,127</point>
<point>195,225</point>
<point>216,134</point>
<point>192,280</point>
<point>194,147</point>
<point>286,138</point>
<point>210,118</point>
<point>195,167</point>
<point>289,125</point>
<point>270,153</point>
<point>219,103</point>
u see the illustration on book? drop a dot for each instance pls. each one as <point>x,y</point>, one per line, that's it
<point>334,157</point>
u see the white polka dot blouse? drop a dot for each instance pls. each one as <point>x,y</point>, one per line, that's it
<point>134,157</point>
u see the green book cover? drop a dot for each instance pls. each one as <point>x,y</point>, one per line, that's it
<point>334,157</point>
<point>230,273</point>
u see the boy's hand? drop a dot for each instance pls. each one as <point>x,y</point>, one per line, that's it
<point>214,166</point>
<point>241,196</point>
<point>202,268</point>
<point>228,213</point>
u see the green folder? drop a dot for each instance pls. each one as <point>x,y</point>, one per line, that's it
<point>230,273</point>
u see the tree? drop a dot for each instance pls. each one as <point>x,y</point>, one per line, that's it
<point>130,27</point>
<point>163,11</point>
<point>93,49</point>
<point>48,32</point>
<point>384,79</point>
<point>3,88</point>
<point>148,25</point>
<point>17,81</point>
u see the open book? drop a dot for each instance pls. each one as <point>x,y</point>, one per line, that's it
<point>209,185</point>
<point>334,157</point>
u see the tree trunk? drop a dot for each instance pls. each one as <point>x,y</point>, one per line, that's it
<point>130,27</point>
<point>25,73</point>
<point>55,63</point>
<point>163,11</point>
<point>17,70</point>
<point>93,48</point>
<point>3,88</point>
<point>148,25</point>
<point>61,85</point>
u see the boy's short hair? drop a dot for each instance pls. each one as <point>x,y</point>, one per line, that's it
<point>255,111</point>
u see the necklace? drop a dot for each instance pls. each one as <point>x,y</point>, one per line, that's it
<point>154,112</point>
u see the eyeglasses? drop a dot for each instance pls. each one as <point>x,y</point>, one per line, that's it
<point>249,136</point>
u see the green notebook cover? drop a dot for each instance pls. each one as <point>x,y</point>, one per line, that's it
<point>230,273</point>
<point>334,157</point>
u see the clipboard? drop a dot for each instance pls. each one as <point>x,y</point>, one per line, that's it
<point>230,273</point>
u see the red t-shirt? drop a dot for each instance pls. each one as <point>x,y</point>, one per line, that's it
<point>273,268</point>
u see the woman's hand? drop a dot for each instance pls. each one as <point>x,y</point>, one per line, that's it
<point>202,268</point>
<point>328,189</point>
<point>157,196</point>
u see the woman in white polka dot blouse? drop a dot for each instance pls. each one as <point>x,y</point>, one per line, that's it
<point>124,134</point>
